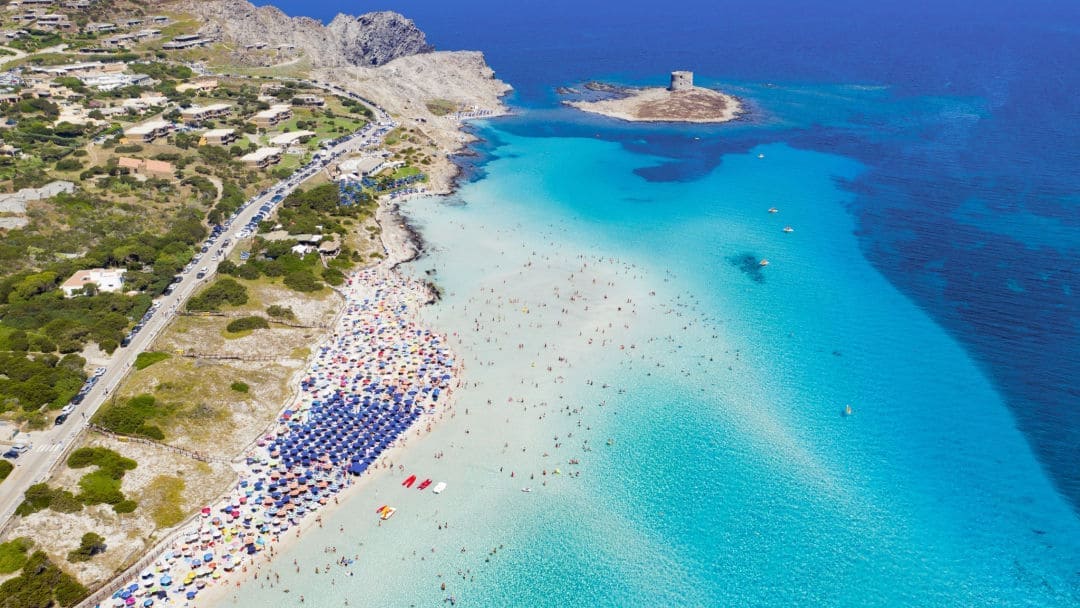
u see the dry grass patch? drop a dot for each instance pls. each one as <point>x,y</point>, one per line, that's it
<point>126,536</point>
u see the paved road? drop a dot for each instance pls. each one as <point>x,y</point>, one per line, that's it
<point>47,446</point>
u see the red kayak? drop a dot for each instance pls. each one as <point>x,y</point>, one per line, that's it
<point>380,509</point>
<point>408,482</point>
<point>422,486</point>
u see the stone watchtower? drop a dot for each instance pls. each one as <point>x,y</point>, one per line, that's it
<point>681,81</point>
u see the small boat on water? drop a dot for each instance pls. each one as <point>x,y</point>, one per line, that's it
<point>424,485</point>
<point>526,490</point>
<point>788,229</point>
<point>773,210</point>
<point>763,263</point>
<point>380,509</point>
<point>439,487</point>
<point>386,512</point>
<point>761,155</point>
<point>408,482</point>
<point>848,411</point>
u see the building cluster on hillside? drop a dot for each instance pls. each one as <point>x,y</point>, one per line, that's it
<point>47,16</point>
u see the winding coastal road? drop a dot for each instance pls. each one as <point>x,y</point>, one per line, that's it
<point>48,446</point>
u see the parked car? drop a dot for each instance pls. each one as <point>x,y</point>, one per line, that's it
<point>61,419</point>
<point>16,450</point>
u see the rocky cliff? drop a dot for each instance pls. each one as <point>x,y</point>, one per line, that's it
<point>372,39</point>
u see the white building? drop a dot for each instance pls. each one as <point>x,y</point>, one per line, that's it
<point>106,279</point>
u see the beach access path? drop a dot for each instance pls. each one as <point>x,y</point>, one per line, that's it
<point>50,447</point>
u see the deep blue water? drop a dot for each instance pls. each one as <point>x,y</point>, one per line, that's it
<point>969,204</point>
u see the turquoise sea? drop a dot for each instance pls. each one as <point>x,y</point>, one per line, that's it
<point>927,282</point>
<point>746,485</point>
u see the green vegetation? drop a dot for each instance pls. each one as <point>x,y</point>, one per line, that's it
<point>5,469</point>
<point>103,485</point>
<point>164,497</point>
<point>280,312</point>
<point>40,496</point>
<point>162,71</point>
<point>103,458</point>
<point>304,212</point>
<point>32,382</point>
<point>13,554</point>
<point>247,324</point>
<point>90,545</point>
<point>40,585</point>
<point>302,280</point>
<point>146,359</point>
<point>37,318</point>
<point>130,417</point>
<point>240,387</point>
<point>223,291</point>
<point>441,107</point>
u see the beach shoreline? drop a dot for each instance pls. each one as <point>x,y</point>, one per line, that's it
<point>400,244</point>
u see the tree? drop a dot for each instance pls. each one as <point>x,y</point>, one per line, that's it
<point>90,545</point>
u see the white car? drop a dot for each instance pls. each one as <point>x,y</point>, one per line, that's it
<point>67,409</point>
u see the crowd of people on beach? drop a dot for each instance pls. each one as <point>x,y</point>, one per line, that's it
<point>376,376</point>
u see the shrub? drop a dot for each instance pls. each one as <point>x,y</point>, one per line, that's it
<point>240,387</point>
<point>109,345</point>
<point>125,506</point>
<point>333,276</point>
<point>104,458</point>
<point>41,496</point>
<point>247,324</point>
<point>90,545</point>
<point>302,280</point>
<point>130,418</point>
<point>13,554</point>
<point>280,312</point>
<point>100,487</point>
<point>223,291</point>
<point>68,164</point>
<point>146,359</point>
<point>41,583</point>
<point>5,469</point>
<point>65,502</point>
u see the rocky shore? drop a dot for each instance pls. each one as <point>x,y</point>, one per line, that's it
<point>695,104</point>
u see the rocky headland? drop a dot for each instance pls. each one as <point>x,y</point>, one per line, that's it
<point>371,39</point>
<point>383,56</point>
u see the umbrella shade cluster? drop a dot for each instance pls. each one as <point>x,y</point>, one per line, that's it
<point>377,375</point>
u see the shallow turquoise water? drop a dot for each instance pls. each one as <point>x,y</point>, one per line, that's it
<point>736,481</point>
<point>731,477</point>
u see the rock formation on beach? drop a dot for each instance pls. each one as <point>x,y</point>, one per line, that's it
<point>371,39</point>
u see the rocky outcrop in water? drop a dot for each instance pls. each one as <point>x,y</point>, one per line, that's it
<point>371,39</point>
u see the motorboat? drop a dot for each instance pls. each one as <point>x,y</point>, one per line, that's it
<point>773,210</point>
<point>424,485</point>
<point>788,229</point>
<point>763,263</point>
<point>439,487</point>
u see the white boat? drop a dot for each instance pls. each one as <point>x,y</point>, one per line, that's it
<point>526,490</point>
<point>439,487</point>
